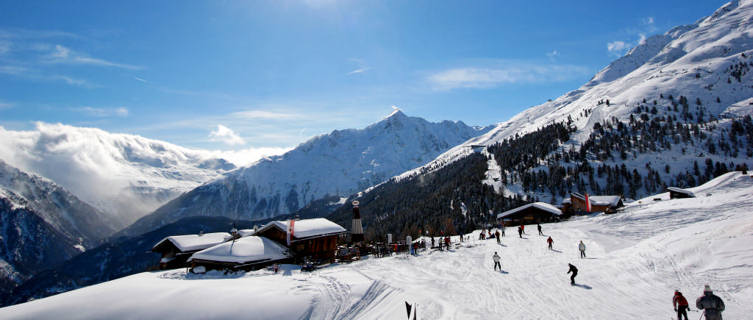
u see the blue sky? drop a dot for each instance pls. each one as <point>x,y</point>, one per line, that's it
<point>233,75</point>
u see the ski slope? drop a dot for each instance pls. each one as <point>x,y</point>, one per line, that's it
<point>636,259</point>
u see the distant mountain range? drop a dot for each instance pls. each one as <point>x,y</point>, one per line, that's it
<point>335,164</point>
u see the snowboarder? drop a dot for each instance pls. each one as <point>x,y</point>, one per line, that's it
<point>550,241</point>
<point>496,259</point>
<point>711,305</point>
<point>574,270</point>
<point>539,227</point>
<point>680,304</point>
<point>496,233</point>
<point>520,231</point>
<point>582,248</point>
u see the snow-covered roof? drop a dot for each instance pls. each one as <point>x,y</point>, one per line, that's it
<point>539,205</point>
<point>243,250</point>
<point>308,227</point>
<point>611,201</point>
<point>246,232</point>
<point>683,191</point>
<point>193,242</point>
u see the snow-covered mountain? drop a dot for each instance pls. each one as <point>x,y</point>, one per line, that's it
<point>635,261</point>
<point>707,62</point>
<point>334,164</point>
<point>42,224</point>
<point>125,176</point>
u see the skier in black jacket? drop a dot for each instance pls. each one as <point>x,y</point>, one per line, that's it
<point>574,270</point>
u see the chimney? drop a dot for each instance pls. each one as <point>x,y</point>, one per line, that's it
<point>356,233</point>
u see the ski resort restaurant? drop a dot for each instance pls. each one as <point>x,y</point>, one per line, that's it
<point>314,238</point>
<point>536,212</point>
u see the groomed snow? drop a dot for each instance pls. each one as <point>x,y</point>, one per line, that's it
<point>541,205</point>
<point>243,250</point>
<point>193,242</point>
<point>636,259</point>
<point>308,227</point>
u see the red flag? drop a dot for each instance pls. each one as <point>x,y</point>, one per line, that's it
<point>588,204</point>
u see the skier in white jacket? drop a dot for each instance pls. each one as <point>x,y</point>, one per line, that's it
<point>496,259</point>
<point>582,248</point>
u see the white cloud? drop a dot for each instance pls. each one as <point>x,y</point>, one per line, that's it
<point>31,74</point>
<point>617,48</point>
<point>226,135</point>
<point>64,55</point>
<point>361,66</point>
<point>262,114</point>
<point>553,54</point>
<point>103,112</point>
<point>508,72</point>
<point>245,157</point>
<point>648,20</point>
<point>359,70</point>
<point>140,79</point>
<point>5,105</point>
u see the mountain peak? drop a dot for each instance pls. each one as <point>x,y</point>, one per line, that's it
<point>396,113</point>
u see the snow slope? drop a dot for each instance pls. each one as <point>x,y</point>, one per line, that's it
<point>693,60</point>
<point>126,176</point>
<point>339,163</point>
<point>636,259</point>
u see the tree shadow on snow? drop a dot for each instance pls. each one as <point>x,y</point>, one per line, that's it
<point>587,287</point>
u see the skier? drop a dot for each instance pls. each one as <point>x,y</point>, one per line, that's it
<point>523,228</point>
<point>574,270</point>
<point>432,241</point>
<point>520,231</point>
<point>582,248</point>
<point>496,233</point>
<point>447,242</point>
<point>503,230</point>
<point>550,241</point>
<point>680,304</point>
<point>539,227</point>
<point>496,259</point>
<point>711,305</point>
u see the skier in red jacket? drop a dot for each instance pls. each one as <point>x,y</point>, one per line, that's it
<point>550,241</point>
<point>680,304</point>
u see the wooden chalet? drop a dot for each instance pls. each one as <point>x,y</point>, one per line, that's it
<point>176,250</point>
<point>678,193</point>
<point>536,212</point>
<point>245,253</point>
<point>576,204</point>
<point>309,238</point>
